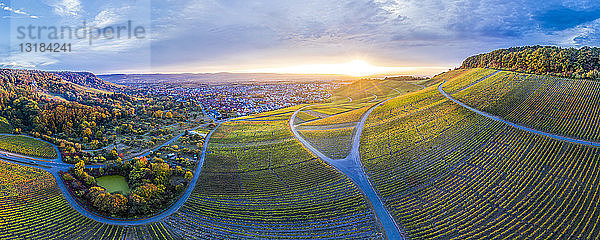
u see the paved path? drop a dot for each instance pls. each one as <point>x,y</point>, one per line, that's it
<point>374,99</point>
<point>499,119</point>
<point>351,166</point>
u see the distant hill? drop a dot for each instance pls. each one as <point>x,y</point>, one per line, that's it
<point>564,62</point>
<point>41,102</point>
<point>72,86</point>
<point>89,80</point>
<point>191,79</point>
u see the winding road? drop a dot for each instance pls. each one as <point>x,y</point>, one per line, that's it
<point>351,166</point>
<point>54,166</point>
<point>499,119</point>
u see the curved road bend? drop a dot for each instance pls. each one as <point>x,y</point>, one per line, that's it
<point>351,166</point>
<point>55,167</point>
<point>499,119</point>
<point>166,213</point>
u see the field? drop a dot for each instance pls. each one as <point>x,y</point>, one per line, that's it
<point>113,183</point>
<point>27,146</point>
<point>334,143</point>
<point>345,117</point>
<point>330,127</point>
<point>258,181</point>
<point>446,172</point>
<point>371,89</point>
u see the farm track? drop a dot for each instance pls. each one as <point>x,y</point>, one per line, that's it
<point>522,127</point>
<point>351,166</point>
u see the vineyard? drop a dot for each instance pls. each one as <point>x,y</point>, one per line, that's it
<point>334,142</point>
<point>567,107</point>
<point>27,146</point>
<point>32,207</point>
<point>330,127</point>
<point>346,117</point>
<point>259,182</point>
<point>446,172</point>
<point>442,171</point>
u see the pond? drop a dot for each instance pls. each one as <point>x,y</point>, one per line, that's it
<point>113,183</point>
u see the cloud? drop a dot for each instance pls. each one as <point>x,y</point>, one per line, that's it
<point>67,8</point>
<point>392,32</point>
<point>16,11</point>
<point>587,34</point>
<point>105,18</point>
<point>22,60</point>
<point>564,18</point>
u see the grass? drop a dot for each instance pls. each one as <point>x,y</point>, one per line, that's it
<point>113,183</point>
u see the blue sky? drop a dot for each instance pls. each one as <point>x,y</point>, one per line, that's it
<point>232,35</point>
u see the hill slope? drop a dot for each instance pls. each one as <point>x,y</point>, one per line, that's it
<point>446,172</point>
<point>89,80</point>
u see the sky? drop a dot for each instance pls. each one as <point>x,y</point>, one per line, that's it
<point>337,36</point>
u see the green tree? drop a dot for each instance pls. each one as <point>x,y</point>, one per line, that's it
<point>79,167</point>
<point>189,176</point>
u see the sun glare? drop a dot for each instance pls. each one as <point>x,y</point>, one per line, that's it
<point>359,68</point>
<point>355,68</point>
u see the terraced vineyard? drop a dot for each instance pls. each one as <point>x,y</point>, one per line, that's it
<point>345,117</point>
<point>447,172</point>
<point>27,146</point>
<point>567,107</point>
<point>259,182</point>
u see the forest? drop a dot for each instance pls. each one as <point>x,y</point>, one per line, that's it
<point>563,62</point>
<point>78,113</point>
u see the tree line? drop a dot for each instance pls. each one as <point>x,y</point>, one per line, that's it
<point>563,62</point>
